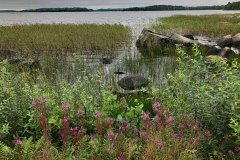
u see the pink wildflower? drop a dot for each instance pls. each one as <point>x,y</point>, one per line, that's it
<point>156,106</point>
<point>111,136</point>
<point>160,143</point>
<point>80,113</point>
<point>121,157</point>
<point>110,120</point>
<point>230,153</point>
<point>65,106</point>
<point>99,114</point>
<point>18,142</point>
<point>170,120</point>
<point>123,127</point>
<point>194,141</point>
<point>207,134</point>
<point>145,116</point>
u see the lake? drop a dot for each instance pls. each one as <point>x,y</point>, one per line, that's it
<point>127,60</point>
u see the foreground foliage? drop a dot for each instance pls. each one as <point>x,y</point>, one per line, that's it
<point>195,115</point>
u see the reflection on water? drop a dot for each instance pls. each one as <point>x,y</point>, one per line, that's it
<point>127,61</point>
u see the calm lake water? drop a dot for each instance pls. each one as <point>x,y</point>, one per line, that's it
<point>127,60</point>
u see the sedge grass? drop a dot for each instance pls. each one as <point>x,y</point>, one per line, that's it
<point>213,26</point>
<point>63,38</point>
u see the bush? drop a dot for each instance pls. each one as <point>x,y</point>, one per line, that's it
<point>209,90</point>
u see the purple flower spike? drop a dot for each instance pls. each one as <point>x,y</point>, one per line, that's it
<point>80,113</point>
<point>160,143</point>
<point>65,119</point>
<point>74,130</point>
<point>145,116</point>
<point>230,153</point>
<point>110,120</point>
<point>65,106</point>
<point>34,102</point>
<point>42,100</point>
<point>156,106</point>
<point>18,142</point>
<point>99,114</point>
<point>111,136</point>
<point>121,157</point>
<point>170,120</point>
<point>207,134</point>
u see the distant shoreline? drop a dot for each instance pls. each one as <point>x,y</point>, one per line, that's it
<point>229,6</point>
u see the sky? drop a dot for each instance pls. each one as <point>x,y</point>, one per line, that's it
<point>95,4</point>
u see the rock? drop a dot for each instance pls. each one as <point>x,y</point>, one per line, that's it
<point>225,52</point>
<point>119,72</point>
<point>189,36</point>
<point>29,63</point>
<point>133,82</point>
<point>178,39</point>
<point>106,60</point>
<point>236,40</point>
<point>7,54</point>
<point>226,41</point>
<point>214,50</point>
<point>148,38</point>
<point>153,42</point>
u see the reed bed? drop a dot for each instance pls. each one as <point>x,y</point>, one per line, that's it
<point>213,26</point>
<point>63,38</point>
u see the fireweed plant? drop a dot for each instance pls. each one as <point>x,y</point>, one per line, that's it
<point>159,137</point>
<point>194,116</point>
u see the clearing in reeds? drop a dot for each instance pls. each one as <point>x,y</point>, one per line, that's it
<point>63,38</point>
<point>207,25</point>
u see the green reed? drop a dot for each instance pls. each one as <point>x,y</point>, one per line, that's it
<point>63,38</point>
<point>209,25</point>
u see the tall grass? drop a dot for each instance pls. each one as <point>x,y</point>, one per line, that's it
<point>62,38</point>
<point>208,25</point>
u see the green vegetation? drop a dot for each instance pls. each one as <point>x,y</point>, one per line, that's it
<point>193,116</point>
<point>208,25</point>
<point>232,6</point>
<point>170,8</point>
<point>75,9</point>
<point>60,38</point>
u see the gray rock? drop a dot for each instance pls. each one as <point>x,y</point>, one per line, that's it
<point>189,36</point>
<point>133,82</point>
<point>225,52</point>
<point>179,39</point>
<point>149,38</point>
<point>214,50</point>
<point>29,63</point>
<point>236,40</point>
<point>226,41</point>
<point>7,54</point>
<point>106,60</point>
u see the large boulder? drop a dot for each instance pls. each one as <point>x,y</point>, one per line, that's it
<point>214,50</point>
<point>149,39</point>
<point>236,40</point>
<point>225,52</point>
<point>133,82</point>
<point>225,41</point>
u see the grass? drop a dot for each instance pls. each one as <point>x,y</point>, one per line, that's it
<point>63,38</point>
<point>209,25</point>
